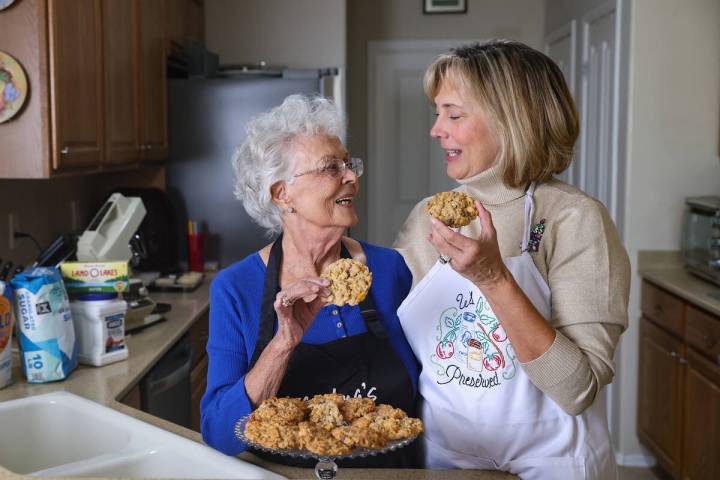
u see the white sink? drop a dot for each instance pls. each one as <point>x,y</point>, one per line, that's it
<point>61,434</point>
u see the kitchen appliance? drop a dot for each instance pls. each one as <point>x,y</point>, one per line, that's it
<point>113,235</point>
<point>701,237</point>
<point>207,120</point>
<point>111,229</point>
<point>156,232</point>
<point>165,390</point>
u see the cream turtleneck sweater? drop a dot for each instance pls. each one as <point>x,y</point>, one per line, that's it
<point>580,257</point>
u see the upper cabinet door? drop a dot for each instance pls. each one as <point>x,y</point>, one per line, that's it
<point>153,103</point>
<point>76,83</point>
<point>122,98</point>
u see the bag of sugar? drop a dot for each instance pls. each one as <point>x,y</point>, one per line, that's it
<point>45,328</point>
<point>6,324</point>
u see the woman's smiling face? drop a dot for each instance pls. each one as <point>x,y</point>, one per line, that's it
<point>324,199</point>
<point>470,146</point>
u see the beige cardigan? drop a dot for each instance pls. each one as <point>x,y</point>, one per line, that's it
<point>581,258</point>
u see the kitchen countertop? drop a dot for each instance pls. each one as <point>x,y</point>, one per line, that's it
<point>665,269</point>
<point>106,385</point>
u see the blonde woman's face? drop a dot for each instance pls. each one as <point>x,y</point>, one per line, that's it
<point>469,144</point>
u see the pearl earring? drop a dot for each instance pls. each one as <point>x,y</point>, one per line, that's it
<point>291,210</point>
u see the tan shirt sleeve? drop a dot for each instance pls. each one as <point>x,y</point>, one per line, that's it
<point>577,365</point>
<point>413,245</point>
<point>589,278</point>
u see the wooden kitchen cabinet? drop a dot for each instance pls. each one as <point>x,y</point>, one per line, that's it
<point>122,74</point>
<point>679,385</point>
<point>153,85</point>
<point>76,83</point>
<point>701,453</point>
<point>97,82</point>
<point>660,394</point>
<point>199,333</point>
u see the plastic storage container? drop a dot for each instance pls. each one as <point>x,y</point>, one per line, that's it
<point>99,320</point>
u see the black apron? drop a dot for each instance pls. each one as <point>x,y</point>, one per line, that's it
<point>345,365</point>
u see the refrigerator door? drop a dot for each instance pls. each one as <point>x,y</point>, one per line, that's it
<point>207,120</point>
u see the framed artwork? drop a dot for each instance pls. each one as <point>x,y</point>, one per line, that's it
<point>13,87</point>
<point>5,4</point>
<point>444,6</point>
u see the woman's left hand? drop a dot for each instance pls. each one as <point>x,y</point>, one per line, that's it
<point>477,260</point>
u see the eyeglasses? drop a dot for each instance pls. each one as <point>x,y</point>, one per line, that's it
<point>335,167</point>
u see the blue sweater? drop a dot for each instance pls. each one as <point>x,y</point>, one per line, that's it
<point>235,302</point>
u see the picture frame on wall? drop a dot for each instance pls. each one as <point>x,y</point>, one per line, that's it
<point>444,6</point>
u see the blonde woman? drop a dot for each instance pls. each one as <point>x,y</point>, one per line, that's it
<point>516,324</point>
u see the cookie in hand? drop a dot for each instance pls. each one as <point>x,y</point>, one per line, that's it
<point>454,209</point>
<point>349,281</point>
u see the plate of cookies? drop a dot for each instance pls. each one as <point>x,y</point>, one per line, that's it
<point>327,427</point>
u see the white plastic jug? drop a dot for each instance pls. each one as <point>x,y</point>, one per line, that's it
<point>99,320</point>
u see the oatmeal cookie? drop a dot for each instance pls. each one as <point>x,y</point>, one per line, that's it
<point>354,436</point>
<point>335,398</point>
<point>271,434</point>
<point>392,423</point>
<point>326,414</point>
<point>356,408</point>
<point>454,209</point>
<point>320,441</point>
<point>349,281</point>
<point>281,410</point>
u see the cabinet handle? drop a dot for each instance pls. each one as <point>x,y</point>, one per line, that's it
<point>65,151</point>
<point>673,354</point>
<point>709,341</point>
<point>682,360</point>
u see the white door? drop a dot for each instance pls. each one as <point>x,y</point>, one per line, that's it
<point>399,122</point>
<point>598,156</point>
<point>587,49</point>
<point>561,46</point>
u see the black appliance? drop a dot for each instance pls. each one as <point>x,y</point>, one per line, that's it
<point>158,232</point>
<point>165,390</point>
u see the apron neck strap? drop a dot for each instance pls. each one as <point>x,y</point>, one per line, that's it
<point>529,210</point>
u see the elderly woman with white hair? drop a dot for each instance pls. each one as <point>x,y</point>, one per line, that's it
<point>270,332</point>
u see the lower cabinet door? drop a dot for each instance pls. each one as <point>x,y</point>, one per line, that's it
<point>701,453</point>
<point>660,395</point>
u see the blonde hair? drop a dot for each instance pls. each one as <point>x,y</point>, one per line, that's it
<point>526,102</point>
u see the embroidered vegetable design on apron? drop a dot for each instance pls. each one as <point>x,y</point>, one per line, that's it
<point>470,340</point>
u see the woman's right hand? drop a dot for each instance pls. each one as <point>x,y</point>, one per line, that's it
<point>296,306</point>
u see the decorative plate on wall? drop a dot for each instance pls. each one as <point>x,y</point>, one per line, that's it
<point>5,3</point>
<point>13,87</point>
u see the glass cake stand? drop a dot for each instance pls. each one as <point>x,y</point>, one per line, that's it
<point>326,468</point>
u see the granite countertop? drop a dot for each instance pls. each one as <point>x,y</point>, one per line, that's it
<point>107,384</point>
<point>665,269</point>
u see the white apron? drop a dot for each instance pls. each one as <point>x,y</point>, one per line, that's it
<point>479,408</point>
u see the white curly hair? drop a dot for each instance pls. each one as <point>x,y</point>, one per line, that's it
<point>263,158</point>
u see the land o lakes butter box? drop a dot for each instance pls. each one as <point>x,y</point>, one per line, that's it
<point>95,277</point>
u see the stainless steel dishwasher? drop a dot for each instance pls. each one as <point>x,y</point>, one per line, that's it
<point>165,390</point>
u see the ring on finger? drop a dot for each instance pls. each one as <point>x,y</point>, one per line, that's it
<point>444,259</point>
<point>285,301</point>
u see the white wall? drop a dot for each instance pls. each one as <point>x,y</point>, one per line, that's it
<point>673,147</point>
<point>293,33</point>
